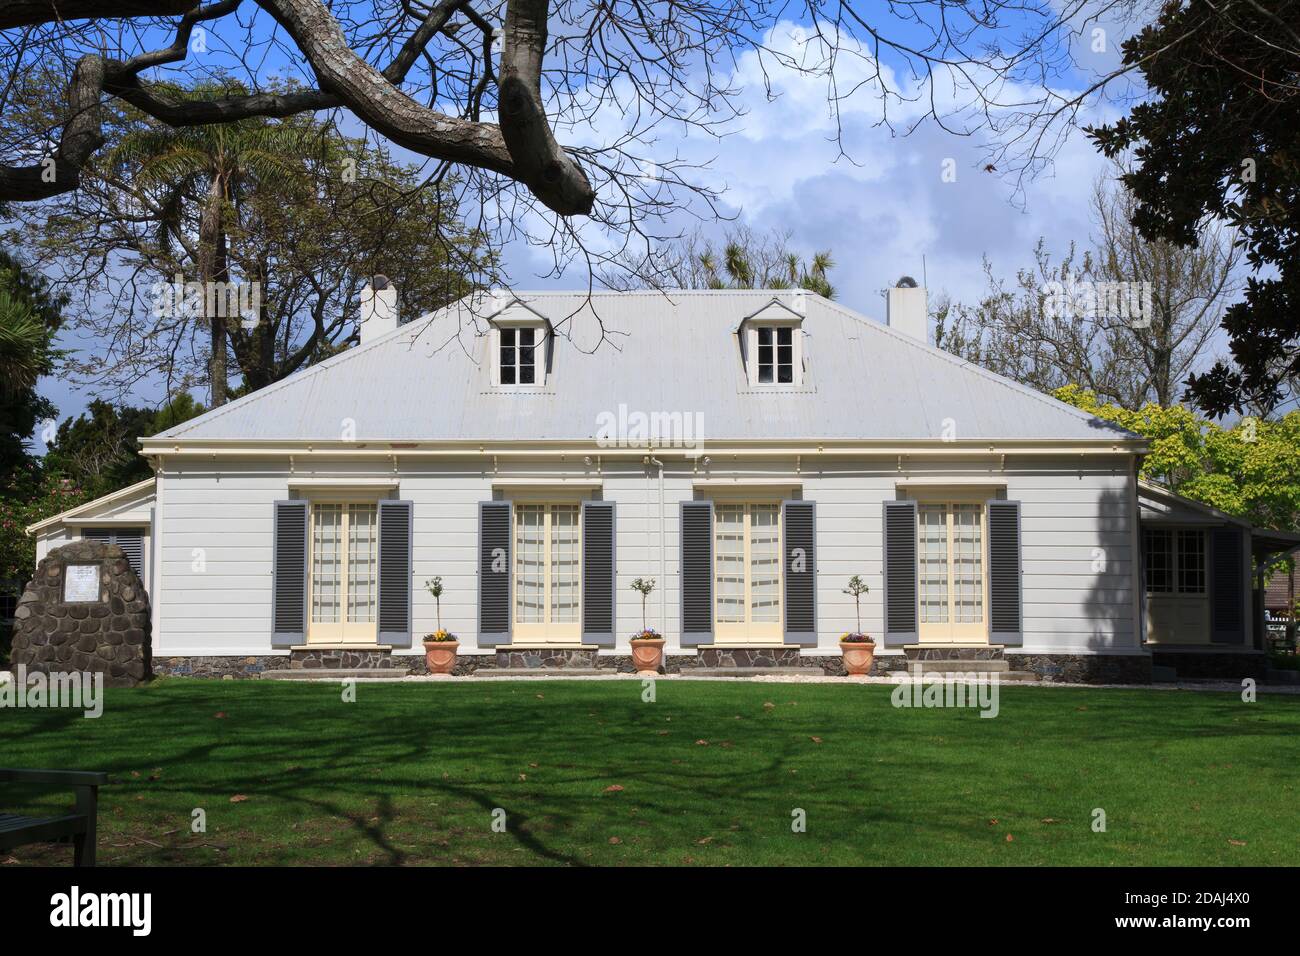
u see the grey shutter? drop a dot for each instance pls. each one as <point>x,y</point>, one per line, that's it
<point>289,574</point>
<point>130,540</point>
<point>395,520</point>
<point>132,544</point>
<point>900,573</point>
<point>493,573</point>
<point>1006,604</point>
<point>799,523</point>
<point>1228,590</point>
<point>696,573</point>
<point>598,573</point>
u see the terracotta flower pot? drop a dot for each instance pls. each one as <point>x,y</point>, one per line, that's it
<point>440,656</point>
<point>647,654</point>
<point>858,656</point>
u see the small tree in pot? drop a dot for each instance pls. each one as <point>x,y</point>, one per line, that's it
<point>439,647</point>
<point>647,644</point>
<point>859,649</point>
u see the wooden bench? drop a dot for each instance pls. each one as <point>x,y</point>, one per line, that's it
<point>78,826</point>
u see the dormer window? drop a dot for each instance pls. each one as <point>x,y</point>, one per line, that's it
<point>775,355</point>
<point>518,355</point>
<point>772,345</point>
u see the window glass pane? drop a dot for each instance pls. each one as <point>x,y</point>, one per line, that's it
<point>785,372</point>
<point>564,563</point>
<point>967,564</point>
<point>932,535</point>
<point>1191,562</point>
<point>764,337</point>
<point>765,564</point>
<point>1157,560</point>
<point>526,337</point>
<point>729,563</point>
<point>526,375</point>
<point>530,567</point>
<point>507,375</point>
<point>507,337</point>
<point>784,336</point>
<point>362,564</point>
<point>326,563</point>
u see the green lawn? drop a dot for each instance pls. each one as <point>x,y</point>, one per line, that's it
<point>709,774</point>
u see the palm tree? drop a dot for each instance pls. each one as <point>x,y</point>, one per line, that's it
<point>786,271</point>
<point>25,353</point>
<point>202,172</point>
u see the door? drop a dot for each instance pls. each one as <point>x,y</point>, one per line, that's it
<point>747,572</point>
<point>344,573</point>
<point>950,550</point>
<point>548,567</point>
<point>1178,601</point>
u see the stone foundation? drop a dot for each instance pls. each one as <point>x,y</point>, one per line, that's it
<point>1065,668</point>
<point>1085,668</point>
<point>1197,665</point>
<point>953,653</point>
<point>218,668</point>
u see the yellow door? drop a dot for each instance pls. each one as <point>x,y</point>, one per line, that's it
<point>344,584</point>
<point>950,547</point>
<point>747,573</point>
<point>547,583</point>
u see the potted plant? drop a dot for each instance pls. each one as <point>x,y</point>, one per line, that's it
<point>439,647</point>
<point>859,649</point>
<point>647,644</point>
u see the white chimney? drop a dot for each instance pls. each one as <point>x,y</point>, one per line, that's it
<point>378,309</point>
<point>907,309</point>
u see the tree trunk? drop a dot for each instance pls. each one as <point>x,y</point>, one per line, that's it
<point>212,268</point>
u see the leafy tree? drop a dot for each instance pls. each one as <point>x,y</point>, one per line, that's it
<point>30,315</point>
<point>98,451</point>
<point>1250,470</point>
<point>1217,139</point>
<point>293,212</point>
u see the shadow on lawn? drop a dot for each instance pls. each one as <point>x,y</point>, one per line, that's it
<point>404,755</point>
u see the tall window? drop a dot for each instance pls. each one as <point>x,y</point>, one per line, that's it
<point>747,571</point>
<point>1173,560</point>
<point>547,566</point>
<point>775,354</point>
<point>950,546</point>
<point>344,572</point>
<point>518,356</point>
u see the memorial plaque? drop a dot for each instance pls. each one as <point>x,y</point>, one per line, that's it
<point>81,583</point>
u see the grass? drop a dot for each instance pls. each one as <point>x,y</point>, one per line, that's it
<point>710,774</point>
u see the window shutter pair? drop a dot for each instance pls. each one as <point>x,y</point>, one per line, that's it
<point>291,553</point>
<point>130,540</point>
<point>1003,567</point>
<point>1227,586</point>
<point>799,564</point>
<point>599,573</point>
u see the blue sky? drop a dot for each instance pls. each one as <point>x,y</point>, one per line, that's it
<point>884,211</point>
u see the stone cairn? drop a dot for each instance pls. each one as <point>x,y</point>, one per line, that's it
<point>110,635</point>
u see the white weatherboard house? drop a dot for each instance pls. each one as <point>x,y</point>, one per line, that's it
<point>750,451</point>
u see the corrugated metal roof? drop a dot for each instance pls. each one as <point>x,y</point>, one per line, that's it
<point>661,352</point>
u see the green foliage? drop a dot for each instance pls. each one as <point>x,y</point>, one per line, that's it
<point>1216,139</point>
<point>26,499</point>
<point>29,318</point>
<point>1250,470</point>
<point>98,450</point>
<point>856,588</point>
<point>645,588</point>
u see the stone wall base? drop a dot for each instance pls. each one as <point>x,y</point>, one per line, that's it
<point>1085,668</point>
<point>1066,668</point>
<point>1209,664</point>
